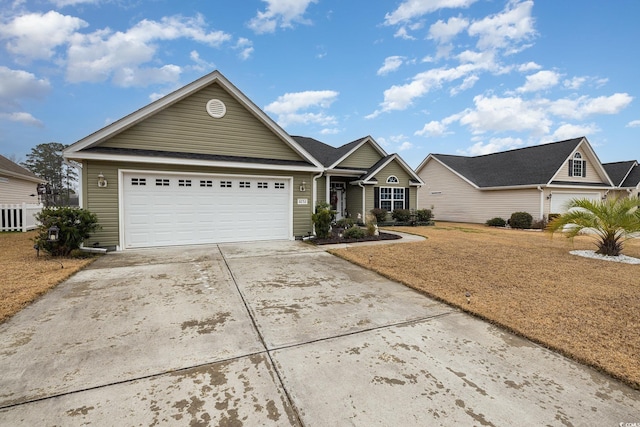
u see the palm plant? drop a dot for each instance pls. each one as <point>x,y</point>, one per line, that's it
<point>611,221</point>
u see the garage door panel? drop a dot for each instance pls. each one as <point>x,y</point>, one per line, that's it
<point>559,200</point>
<point>192,209</point>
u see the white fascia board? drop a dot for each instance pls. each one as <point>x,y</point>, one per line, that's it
<point>342,172</point>
<point>188,162</point>
<point>402,164</point>
<point>581,187</point>
<point>584,143</point>
<point>513,187</point>
<point>23,177</point>
<point>170,99</point>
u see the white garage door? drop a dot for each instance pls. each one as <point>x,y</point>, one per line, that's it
<point>169,209</point>
<point>559,200</point>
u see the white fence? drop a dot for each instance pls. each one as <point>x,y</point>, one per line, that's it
<point>19,217</point>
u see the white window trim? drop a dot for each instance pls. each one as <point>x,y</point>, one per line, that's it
<point>393,199</point>
<point>392,179</point>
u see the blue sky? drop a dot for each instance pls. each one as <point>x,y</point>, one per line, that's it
<point>462,77</point>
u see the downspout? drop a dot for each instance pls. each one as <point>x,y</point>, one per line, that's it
<point>364,218</point>
<point>541,202</point>
<point>314,199</point>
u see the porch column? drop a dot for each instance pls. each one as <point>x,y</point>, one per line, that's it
<point>327,197</point>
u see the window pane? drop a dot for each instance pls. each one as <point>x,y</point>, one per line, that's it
<point>398,204</point>
<point>386,205</point>
<point>398,193</point>
<point>385,193</point>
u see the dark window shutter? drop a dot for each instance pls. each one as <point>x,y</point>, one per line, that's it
<point>584,168</point>
<point>376,197</point>
<point>406,198</point>
<point>570,167</point>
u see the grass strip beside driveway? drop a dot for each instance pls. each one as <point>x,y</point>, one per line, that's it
<point>528,283</point>
<point>25,276</point>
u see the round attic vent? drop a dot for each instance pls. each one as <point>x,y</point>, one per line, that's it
<point>216,108</point>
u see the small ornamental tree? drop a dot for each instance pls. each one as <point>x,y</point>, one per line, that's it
<point>322,219</point>
<point>75,226</point>
<point>611,222</point>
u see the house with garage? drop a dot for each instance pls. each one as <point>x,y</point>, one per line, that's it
<point>539,180</point>
<point>204,164</point>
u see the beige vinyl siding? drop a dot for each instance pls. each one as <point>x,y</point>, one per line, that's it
<point>363,158</point>
<point>186,127</point>
<point>453,199</point>
<point>15,190</point>
<point>592,174</point>
<point>104,201</point>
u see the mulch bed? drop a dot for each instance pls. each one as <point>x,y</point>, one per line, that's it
<point>335,238</point>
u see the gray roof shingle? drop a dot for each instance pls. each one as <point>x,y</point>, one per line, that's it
<point>633,179</point>
<point>618,170</point>
<point>523,166</point>
<point>324,153</point>
<point>15,169</point>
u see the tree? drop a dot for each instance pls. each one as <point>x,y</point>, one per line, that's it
<point>611,222</point>
<point>46,161</point>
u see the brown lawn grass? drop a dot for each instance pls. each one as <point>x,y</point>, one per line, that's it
<point>24,277</point>
<point>528,283</point>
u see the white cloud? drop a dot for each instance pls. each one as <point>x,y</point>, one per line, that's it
<point>574,83</point>
<point>405,146</point>
<point>19,84</point>
<point>36,36</point>
<point>511,114</point>
<point>63,3</point>
<point>280,13</point>
<point>529,66</point>
<point>443,32</point>
<point>330,131</point>
<point>506,29</point>
<point>467,83</point>
<point>579,108</point>
<point>541,80</point>
<point>201,64</point>
<point>22,117</point>
<point>104,54</point>
<point>391,63</point>
<point>433,128</point>
<point>633,124</point>
<point>245,46</point>
<point>290,108</point>
<point>412,9</point>
<point>403,34</point>
<point>568,131</point>
<point>493,146</point>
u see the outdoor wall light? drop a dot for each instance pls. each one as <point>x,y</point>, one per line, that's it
<point>102,181</point>
<point>549,196</point>
<point>53,234</point>
<point>303,186</point>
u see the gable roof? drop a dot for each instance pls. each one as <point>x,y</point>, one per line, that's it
<point>633,178</point>
<point>618,171</point>
<point>79,149</point>
<point>331,156</point>
<point>9,168</point>
<point>529,166</point>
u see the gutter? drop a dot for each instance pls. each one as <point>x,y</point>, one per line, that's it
<point>541,190</point>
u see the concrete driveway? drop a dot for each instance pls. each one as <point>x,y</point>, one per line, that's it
<point>277,333</point>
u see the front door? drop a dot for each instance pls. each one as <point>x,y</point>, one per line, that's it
<point>337,197</point>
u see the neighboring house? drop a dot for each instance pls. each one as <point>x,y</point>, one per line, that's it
<point>205,165</point>
<point>539,180</point>
<point>17,184</point>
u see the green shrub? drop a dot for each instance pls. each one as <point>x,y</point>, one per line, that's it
<point>380,214</point>
<point>496,222</point>
<point>322,220</point>
<point>345,223</point>
<point>75,225</point>
<point>401,215</point>
<point>354,233</point>
<point>424,215</point>
<point>520,220</point>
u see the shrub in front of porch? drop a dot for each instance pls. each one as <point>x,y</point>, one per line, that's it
<point>322,220</point>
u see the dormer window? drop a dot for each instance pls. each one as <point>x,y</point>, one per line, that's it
<point>577,166</point>
<point>392,180</point>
